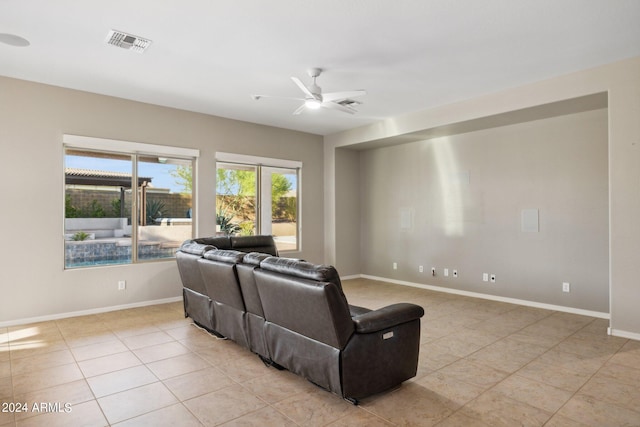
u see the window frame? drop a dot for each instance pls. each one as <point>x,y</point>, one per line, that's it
<point>135,150</point>
<point>271,163</point>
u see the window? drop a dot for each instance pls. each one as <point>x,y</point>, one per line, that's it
<point>125,204</point>
<point>258,196</point>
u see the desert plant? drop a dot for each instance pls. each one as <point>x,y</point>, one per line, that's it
<point>79,236</point>
<point>154,210</point>
<point>224,221</point>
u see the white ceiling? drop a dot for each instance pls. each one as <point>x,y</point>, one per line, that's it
<point>209,56</point>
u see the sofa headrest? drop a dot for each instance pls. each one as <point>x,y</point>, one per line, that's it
<point>194,248</point>
<point>264,244</point>
<point>303,269</point>
<point>220,242</point>
<point>225,255</point>
<point>255,258</point>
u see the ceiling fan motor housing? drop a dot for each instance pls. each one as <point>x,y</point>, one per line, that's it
<point>314,72</point>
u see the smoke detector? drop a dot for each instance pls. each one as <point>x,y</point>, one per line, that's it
<point>128,41</point>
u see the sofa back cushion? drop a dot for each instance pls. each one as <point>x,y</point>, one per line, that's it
<point>187,259</point>
<point>224,255</point>
<point>247,280</point>
<point>194,248</point>
<point>255,258</point>
<point>218,270</point>
<point>245,270</point>
<point>315,309</point>
<point>303,269</point>
<point>264,244</point>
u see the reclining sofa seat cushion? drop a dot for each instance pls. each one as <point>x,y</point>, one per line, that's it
<point>197,304</point>
<point>218,270</point>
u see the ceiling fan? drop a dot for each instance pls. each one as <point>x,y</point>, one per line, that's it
<point>315,99</point>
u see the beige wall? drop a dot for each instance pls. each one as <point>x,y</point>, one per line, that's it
<point>33,118</point>
<point>463,197</point>
<point>348,253</point>
<point>621,82</point>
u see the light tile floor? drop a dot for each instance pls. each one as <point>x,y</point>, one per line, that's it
<point>482,363</point>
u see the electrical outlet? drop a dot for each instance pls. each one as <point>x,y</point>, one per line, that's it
<point>446,272</point>
<point>455,273</point>
<point>566,287</point>
<point>493,278</point>
<point>485,277</point>
<point>395,265</point>
<point>433,271</point>
<point>421,269</point>
<point>122,285</point>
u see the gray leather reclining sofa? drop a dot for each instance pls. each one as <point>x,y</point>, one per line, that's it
<point>295,315</point>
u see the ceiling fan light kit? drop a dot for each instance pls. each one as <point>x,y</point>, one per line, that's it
<point>312,104</point>
<point>314,98</point>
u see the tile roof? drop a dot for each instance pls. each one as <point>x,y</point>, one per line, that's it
<point>96,177</point>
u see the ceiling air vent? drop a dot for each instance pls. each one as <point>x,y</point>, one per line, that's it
<point>127,41</point>
<point>349,103</point>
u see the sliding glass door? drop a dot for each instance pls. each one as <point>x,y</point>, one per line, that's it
<point>258,199</point>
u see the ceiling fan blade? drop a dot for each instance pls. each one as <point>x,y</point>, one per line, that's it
<point>299,110</point>
<point>340,107</point>
<point>258,97</point>
<point>338,96</point>
<point>303,87</point>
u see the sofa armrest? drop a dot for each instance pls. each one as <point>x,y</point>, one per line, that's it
<point>387,317</point>
<point>356,310</point>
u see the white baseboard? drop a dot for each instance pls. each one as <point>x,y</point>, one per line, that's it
<point>623,334</point>
<point>535,304</point>
<point>87,312</point>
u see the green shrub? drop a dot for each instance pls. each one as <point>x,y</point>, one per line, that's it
<point>116,206</point>
<point>79,236</point>
<point>70,211</point>
<point>95,210</point>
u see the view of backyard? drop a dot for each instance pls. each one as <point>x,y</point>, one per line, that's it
<point>258,200</point>
<point>101,217</point>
